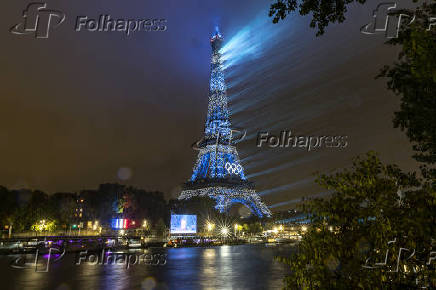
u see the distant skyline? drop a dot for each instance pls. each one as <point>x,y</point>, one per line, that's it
<point>81,109</point>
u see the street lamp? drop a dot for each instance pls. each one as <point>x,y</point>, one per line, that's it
<point>224,231</point>
<point>95,225</point>
<point>210,226</point>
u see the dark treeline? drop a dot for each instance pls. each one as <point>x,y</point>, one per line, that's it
<point>23,208</point>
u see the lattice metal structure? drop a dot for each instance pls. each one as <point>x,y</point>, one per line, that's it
<point>218,172</point>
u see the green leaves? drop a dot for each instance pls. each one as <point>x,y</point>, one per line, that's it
<point>374,202</point>
<point>323,11</point>
<point>413,78</point>
<point>365,214</point>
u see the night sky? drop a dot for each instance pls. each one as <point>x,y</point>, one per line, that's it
<point>84,108</point>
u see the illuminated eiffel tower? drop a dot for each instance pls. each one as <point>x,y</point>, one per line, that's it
<point>218,172</point>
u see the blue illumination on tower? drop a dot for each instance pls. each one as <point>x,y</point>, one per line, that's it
<point>218,172</point>
<point>217,121</point>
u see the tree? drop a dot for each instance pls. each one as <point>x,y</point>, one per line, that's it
<point>161,227</point>
<point>33,210</point>
<point>333,259</point>
<point>8,206</point>
<point>252,228</point>
<point>323,11</point>
<point>413,78</point>
<point>44,225</point>
<point>65,205</point>
<point>372,205</point>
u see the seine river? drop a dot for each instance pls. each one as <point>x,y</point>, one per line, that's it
<point>225,267</point>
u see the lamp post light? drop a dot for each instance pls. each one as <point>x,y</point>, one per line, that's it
<point>210,226</point>
<point>224,232</point>
<point>95,226</point>
<point>275,230</point>
<point>10,230</point>
<point>42,225</point>
<point>144,227</point>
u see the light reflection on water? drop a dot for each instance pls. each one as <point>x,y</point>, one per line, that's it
<point>226,267</point>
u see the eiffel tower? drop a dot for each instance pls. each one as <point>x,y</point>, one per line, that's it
<point>218,172</point>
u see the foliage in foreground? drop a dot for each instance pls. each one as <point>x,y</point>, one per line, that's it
<point>323,12</point>
<point>375,208</point>
<point>413,78</point>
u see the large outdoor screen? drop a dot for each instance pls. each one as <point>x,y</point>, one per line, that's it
<point>183,224</point>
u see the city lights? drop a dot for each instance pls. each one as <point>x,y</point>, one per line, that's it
<point>95,226</point>
<point>210,227</point>
<point>43,225</point>
<point>120,223</point>
<point>224,231</point>
<point>237,229</point>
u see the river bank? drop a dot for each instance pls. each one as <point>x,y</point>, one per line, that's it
<point>76,244</point>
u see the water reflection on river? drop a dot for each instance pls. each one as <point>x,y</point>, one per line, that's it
<point>226,267</point>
